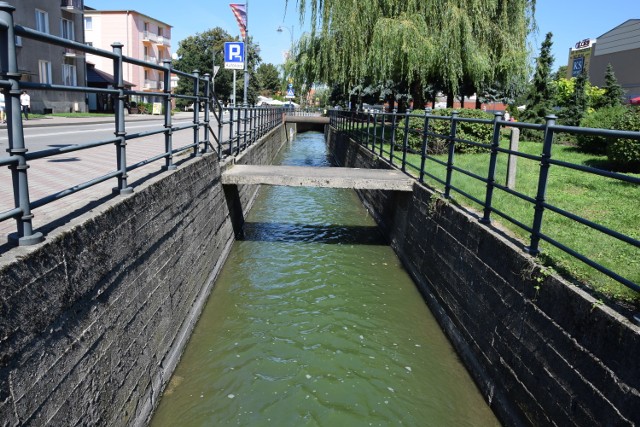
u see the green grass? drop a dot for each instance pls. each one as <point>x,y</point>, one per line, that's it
<point>79,115</point>
<point>605,201</point>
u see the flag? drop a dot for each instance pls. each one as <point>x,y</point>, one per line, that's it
<point>240,12</point>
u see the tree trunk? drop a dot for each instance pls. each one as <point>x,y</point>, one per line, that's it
<point>450,98</point>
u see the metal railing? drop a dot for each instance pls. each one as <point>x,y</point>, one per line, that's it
<point>387,135</point>
<point>242,127</point>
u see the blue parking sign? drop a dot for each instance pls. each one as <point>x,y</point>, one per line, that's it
<point>234,55</point>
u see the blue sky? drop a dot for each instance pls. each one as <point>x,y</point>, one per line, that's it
<point>569,20</point>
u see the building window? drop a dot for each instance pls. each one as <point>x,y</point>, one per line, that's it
<point>67,29</point>
<point>88,23</point>
<point>42,21</point>
<point>69,75</point>
<point>146,26</point>
<point>160,31</point>
<point>44,68</point>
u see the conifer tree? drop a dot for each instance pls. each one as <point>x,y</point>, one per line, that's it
<point>576,110</point>
<point>613,92</point>
<point>540,95</point>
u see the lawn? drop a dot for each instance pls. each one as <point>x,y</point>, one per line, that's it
<point>605,201</point>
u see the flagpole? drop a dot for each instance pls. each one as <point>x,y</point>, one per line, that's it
<point>246,55</point>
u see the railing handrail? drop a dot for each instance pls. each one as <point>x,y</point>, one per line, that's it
<point>257,122</point>
<point>373,138</point>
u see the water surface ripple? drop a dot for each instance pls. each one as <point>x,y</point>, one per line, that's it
<point>313,322</point>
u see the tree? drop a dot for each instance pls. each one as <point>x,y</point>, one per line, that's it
<point>198,52</point>
<point>268,79</point>
<point>441,43</point>
<point>577,108</point>
<point>613,92</point>
<point>540,94</point>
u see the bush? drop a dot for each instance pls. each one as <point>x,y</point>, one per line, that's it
<point>625,153</point>
<point>603,118</point>
<point>476,132</point>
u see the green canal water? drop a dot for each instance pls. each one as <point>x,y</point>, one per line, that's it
<point>314,322</point>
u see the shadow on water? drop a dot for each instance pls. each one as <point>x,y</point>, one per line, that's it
<point>308,233</point>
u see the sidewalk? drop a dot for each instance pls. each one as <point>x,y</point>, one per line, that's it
<point>56,174</point>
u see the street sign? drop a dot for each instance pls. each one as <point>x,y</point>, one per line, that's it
<point>290,93</point>
<point>234,55</point>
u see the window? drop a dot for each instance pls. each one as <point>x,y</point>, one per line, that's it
<point>69,76</point>
<point>67,29</point>
<point>88,23</point>
<point>42,21</point>
<point>44,68</point>
<point>146,26</point>
<point>160,31</point>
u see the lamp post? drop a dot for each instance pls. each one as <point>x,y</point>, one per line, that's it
<point>280,28</point>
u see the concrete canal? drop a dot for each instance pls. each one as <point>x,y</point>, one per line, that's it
<point>313,321</point>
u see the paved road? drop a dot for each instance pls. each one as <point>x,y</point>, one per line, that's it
<point>52,175</point>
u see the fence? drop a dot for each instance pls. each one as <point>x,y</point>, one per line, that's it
<point>243,126</point>
<point>388,135</point>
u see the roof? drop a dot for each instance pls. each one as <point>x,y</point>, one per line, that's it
<point>100,77</point>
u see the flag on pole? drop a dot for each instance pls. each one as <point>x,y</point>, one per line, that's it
<point>240,12</point>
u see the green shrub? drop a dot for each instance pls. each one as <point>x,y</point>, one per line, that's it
<point>625,153</point>
<point>476,132</point>
<point>603,118</point>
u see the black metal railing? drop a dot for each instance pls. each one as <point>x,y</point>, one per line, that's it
<point>387,135</point>
<point>237,128</point>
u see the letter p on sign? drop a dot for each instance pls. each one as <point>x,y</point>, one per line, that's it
<point>234,55</point>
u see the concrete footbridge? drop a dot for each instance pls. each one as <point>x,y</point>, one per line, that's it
<point>309,176</point>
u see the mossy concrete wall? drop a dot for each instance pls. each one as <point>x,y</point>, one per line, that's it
<point>94,320</point>
<point>542,351</point>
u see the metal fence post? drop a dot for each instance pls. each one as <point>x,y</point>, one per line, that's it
<point>394,124</point>
<point>207,95</point>
<point>220,128</point>
<point>121,145</point>
<point>405,141</point>
<point>168,133</point>
<point>8,61</point>
<point>452,146</point>
<point>542,185</point>
<point>196,114</point>
<point>425,142</point>
<point>491,176</point>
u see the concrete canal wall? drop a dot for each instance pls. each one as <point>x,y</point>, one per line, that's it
<point>542,351</point>
<point>93,321</point>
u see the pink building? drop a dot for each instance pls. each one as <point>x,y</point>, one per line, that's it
<point>143,37</point>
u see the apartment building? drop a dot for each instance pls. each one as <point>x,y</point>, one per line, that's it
<point>43,63</point>
<point>143,37</point>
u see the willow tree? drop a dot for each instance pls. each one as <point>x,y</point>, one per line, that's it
<point>441,43</point>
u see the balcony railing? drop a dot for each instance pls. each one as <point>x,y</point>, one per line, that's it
<point>73,53</point>
<point>73,6</point>
<point>164,41</point>
<point>152,59</point>
<point>149,36</point>
<point>153,84</point>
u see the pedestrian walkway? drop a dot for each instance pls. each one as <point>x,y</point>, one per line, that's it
<point>56,174</point>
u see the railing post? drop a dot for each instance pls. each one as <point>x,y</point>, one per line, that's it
<point>405,141</point>
<point>491,176</point>
<point>368,129</point>
<point>394,124</point>
<point>452,146</point>
<point>196,114</point>
<point>207,95</point>
<point>168,133</point>
<point>384,126</point>
<point>231,130</point>
<point>121,145</point>
<point>425,143</point>
<point>25,235</point>
<point>245,112</point>
<point>375,132</point>
<point>220,129</point>
<point>542,185</point>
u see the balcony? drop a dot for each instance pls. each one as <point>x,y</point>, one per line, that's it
<point>153,85</point>
<point>73,6</point>
<point>151,59</point>
<point>164,41</point>
<point>72,53</point>
<point>149,37</point>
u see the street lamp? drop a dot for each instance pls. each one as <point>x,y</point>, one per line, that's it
<point>290,33</point>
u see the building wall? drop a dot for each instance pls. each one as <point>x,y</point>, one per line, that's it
<point>93,321</point>
<point>542,351</point>
<point>32,51</point>
<point>128,28</point>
